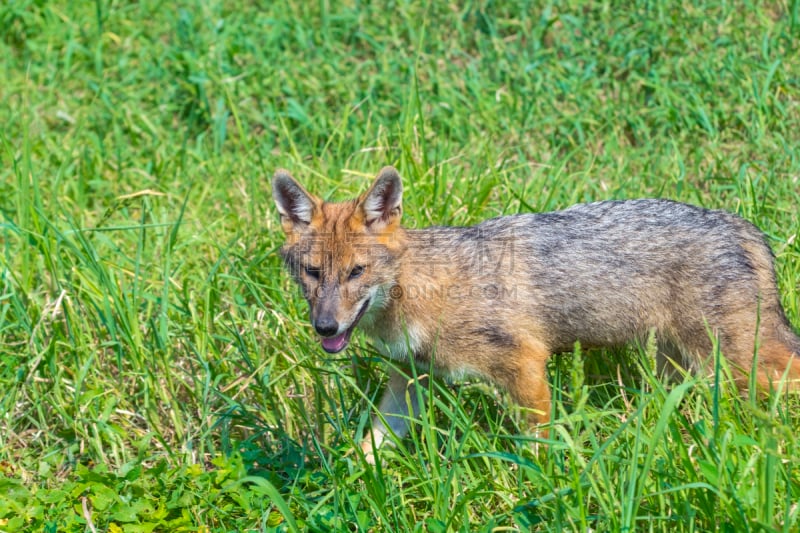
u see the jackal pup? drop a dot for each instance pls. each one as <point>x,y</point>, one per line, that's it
<point>496,299</point>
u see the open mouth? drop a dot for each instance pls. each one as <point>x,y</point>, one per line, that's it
<point>339,342</point>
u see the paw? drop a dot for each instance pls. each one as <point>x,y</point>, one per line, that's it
<point>368,451</point>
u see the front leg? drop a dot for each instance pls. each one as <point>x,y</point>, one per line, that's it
<point>394,411</point>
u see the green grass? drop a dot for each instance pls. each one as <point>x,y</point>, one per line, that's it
<point>157,371</point>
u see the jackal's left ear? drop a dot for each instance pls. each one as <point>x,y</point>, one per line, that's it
<point>294,203</point>
<point>382,205</point>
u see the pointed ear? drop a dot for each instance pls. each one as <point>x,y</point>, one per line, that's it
<point>294,203</point>
<point>382,205</point>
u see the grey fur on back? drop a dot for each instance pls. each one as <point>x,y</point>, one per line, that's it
<point>605,273</point>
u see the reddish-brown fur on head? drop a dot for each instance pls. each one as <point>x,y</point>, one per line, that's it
<point>341,253</point>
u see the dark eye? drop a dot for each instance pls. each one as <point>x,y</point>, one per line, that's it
<point>357,271</point>
<point>312,272</point>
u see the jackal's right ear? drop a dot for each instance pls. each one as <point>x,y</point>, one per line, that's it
<point>294,203</point>
<point>382,204</point>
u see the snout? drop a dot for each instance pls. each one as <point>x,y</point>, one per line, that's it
<point>326,326</point>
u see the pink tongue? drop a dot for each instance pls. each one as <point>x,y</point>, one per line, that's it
<point>335,344</point>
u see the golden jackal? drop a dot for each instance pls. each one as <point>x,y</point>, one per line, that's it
<point>496,299</point>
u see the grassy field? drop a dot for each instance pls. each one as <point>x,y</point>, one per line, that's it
<point>157,369</point>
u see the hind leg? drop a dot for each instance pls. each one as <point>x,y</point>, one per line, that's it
<point>778,353</point>
<point>778,362</point>
<point>670,361</point>
<point>689,352</point>
<point>772,355</point>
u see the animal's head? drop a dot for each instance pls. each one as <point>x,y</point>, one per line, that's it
<point>343,255</point>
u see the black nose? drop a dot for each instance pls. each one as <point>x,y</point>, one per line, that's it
<point>326,326</point>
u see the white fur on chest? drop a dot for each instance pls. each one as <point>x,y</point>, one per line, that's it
<point>404,348</point>
<point>406,342</point>
<point>381,325</point>
<point>401,347</point>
